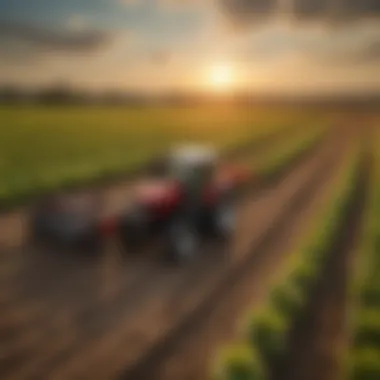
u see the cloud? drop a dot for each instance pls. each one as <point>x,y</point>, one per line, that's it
<point>336,10</point>
<point>245,13</point>
<point>159,57</point>
<point>359,45</point>
<point>242,13</point>
<point>130,2</point>
<point>308,9</point>
<point>366,53</point>
<point>53,39</point>
<point>373,51</point>
<point>77,23</point>
<point>177,4</point>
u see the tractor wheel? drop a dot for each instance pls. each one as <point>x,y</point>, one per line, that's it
<point>225,218</point>
<point>35,232</point>
<point>133,229</point>
<point>183,241</point>
<point>91,242</point>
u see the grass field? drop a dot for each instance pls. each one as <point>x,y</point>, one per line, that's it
<point>43,148</point>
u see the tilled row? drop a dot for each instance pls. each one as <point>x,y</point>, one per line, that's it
<point>363,361</point>
<point>137,301</point>
<point>317,342</point>
<point>186,350</point>
<point>177,295</point>
<point>270,347</point>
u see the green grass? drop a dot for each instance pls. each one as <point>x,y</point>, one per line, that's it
<point>44,148</point>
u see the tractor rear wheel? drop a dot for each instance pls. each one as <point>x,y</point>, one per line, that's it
<point>133,229</point>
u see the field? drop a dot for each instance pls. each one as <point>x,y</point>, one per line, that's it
<point>45,148</point>
<point>293,296</point>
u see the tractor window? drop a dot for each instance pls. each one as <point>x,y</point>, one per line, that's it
<point>182,173</point>
<point>194,177</point>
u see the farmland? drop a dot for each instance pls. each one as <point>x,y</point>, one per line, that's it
<point>46,148</point>
<point>256,309</point>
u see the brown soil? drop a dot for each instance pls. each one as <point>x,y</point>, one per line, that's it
<point>70,318</point>
<point>189,355</point>
<point>319,339</point>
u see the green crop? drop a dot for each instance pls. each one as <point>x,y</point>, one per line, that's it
<point>239,362</point>
<point>363,357</point>
<point>45,148</point>
<point>365,364</point>
<point>267,332</point>
<point>368,327</point>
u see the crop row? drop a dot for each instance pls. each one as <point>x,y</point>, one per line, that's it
<point>364,352</point>
<point>24,173</point>
<point>161,350</point>
<point>281,156</point>
<point>48,147</point>
<point>264,342</point>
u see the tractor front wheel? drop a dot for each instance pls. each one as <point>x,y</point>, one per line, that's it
<point>225,218</point>
<point>184,242</point>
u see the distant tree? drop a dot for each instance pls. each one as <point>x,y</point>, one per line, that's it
<point>10,94</point>
<point>55,94</point>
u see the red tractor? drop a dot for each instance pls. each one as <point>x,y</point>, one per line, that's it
<point>192,197</point>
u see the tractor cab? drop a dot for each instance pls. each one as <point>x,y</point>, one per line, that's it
<point>193,167</point>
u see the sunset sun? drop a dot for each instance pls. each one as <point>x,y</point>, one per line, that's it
<point>221,77</point>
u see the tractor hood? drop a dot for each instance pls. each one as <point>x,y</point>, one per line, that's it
<point>152,191</point>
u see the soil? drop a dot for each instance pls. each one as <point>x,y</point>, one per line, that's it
<point>318,342</point>
<point>190,355</point>
<point>66,317</point>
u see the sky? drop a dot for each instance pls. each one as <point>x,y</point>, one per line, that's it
<point>165,45</point>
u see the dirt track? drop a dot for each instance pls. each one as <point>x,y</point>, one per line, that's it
<point>83,318</point>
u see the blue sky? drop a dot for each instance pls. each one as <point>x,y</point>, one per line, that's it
<point>167,44</point>
<point>145,17</point>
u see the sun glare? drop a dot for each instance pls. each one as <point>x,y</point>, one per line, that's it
<point>221,77</point>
